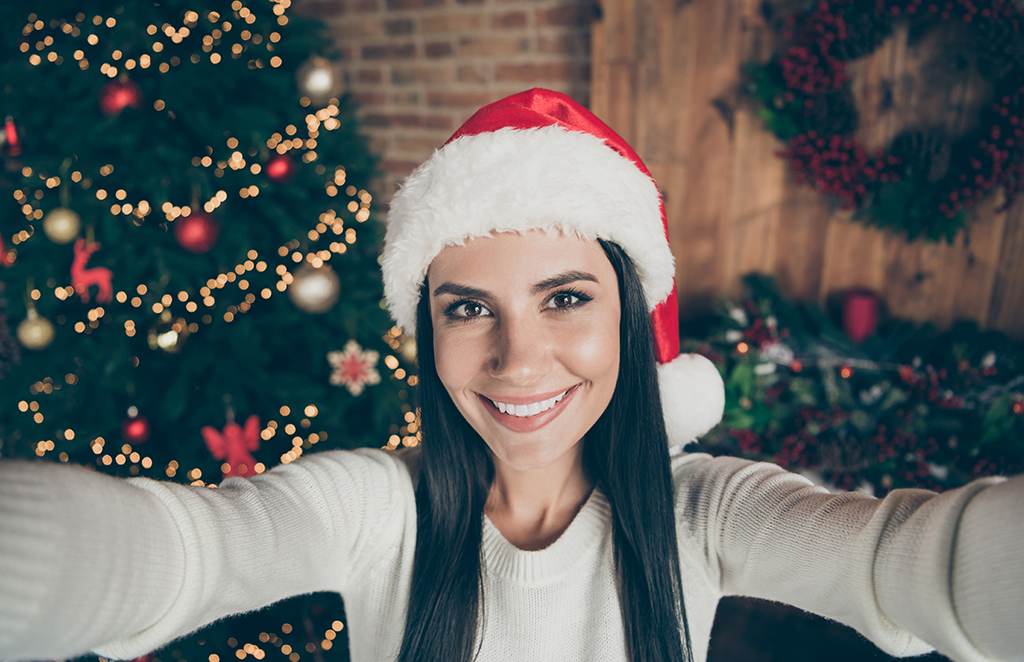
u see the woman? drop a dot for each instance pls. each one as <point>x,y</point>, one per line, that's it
<point>544,518</point>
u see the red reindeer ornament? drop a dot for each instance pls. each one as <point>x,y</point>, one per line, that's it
<point>82,278</point>
<point>234,445</point>
<point>5,255</point>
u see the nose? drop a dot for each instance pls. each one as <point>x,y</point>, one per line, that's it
<point>521,351</point>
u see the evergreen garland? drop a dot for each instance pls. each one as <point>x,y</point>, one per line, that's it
<point>909,408</point>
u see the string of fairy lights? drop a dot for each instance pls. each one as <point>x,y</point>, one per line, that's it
<point>268,639</point>
<point>183,313</point>
<point>31,199</point>
<point>244,650</point>
<point>175,35</point>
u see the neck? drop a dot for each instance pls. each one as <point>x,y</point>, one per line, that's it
<point>532,507</point>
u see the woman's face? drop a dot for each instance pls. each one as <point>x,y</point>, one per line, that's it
<point>526,339</point>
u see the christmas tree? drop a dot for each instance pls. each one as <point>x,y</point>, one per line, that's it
<point>189,285</point>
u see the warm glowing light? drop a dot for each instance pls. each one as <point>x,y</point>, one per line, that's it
<point>742,348</point>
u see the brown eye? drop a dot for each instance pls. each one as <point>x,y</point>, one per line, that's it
<point>563,300</point>
<point>467,309</point>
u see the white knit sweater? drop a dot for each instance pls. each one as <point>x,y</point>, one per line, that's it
<point>88,562</point>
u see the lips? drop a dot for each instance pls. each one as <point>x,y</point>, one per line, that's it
<point>544,407</point>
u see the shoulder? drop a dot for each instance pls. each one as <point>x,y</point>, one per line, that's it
<point>706,487</point>
<point>701,470</point>
<point>409,458</point>
<point>366,468</point>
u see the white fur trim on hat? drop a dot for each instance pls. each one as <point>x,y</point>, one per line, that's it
<point>514,180</point>
<point>692,398</point>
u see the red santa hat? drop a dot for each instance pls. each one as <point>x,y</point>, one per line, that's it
<point>539,160</point>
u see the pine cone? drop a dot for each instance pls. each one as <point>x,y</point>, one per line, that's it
<point>834,113</point>
<point>865,31</point>
<point>924,152</point>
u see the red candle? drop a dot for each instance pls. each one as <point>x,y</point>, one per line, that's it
<point>860,314</point>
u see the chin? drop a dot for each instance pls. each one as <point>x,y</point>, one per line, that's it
<point>524,461</point>
<point>526,455</point>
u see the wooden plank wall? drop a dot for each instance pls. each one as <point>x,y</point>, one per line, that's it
<point>667,77</point>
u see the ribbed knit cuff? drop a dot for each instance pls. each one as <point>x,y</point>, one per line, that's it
<point>988,570</point>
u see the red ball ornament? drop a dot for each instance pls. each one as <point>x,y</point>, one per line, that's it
<point>197,233</point>
<point>281,168</point>
<point>135,429</point>
<point>117,95</point>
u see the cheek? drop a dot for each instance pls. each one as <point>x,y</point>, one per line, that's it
<point>457,358</point>
<point>594,354</point>
<point>446,362</point>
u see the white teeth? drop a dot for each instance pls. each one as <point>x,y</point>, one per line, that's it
<point>533,409</point>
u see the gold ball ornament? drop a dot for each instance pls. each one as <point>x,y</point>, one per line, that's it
<point>168,334</point>
<point>35,332</point>
<point>314,289</point>
<point>62,225</point>
<point>319,80</point>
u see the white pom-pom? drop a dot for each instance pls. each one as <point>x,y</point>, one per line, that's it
<point>692,398</point>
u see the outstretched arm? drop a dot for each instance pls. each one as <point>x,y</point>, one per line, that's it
<point>89,562</point>
<point>84,559</point>
<point>914,567</point>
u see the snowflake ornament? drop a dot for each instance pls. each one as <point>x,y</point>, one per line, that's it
<point>354,367</point>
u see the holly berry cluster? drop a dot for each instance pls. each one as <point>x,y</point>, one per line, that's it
<point>999,160</point>
<point>762,332</point>
<point>839,166</point>
<point>966,10</point>
<point>809,66</point>
<point>806,98</point>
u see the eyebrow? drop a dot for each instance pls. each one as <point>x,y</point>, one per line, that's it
<point>547,284</point>
<point>563,279</point>
<point>461,291</point>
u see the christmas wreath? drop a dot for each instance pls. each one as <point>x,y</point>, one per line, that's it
<point>925,182</point>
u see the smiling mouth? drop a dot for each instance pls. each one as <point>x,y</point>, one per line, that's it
<point>532,409</point>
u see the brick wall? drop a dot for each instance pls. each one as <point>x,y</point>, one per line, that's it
<point>419,68</point>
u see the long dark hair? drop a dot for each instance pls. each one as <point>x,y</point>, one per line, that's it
<point>626,454</point>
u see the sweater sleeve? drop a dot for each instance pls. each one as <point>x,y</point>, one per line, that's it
<point>89,562</point>
<point>911,568</point>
